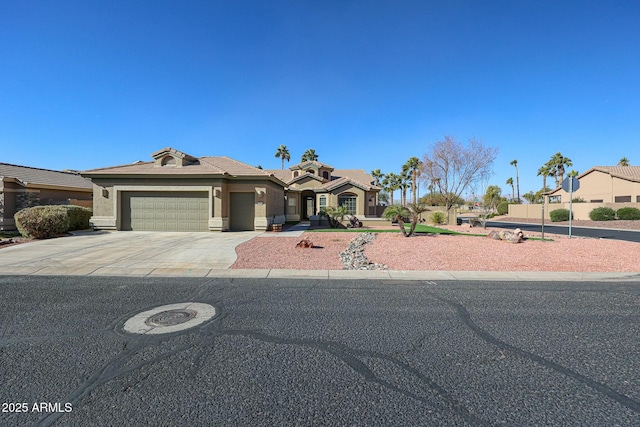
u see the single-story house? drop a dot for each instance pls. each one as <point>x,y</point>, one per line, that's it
<point>605,184</point>
<point>179,192</point>
<point>23,186</point>
<point>312,185</point>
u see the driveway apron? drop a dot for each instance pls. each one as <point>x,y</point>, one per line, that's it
<point>125,253</point>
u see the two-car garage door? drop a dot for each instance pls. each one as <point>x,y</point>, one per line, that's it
<point>165,211</point>
<point>181,211</point>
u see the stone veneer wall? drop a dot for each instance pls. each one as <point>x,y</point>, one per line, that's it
<point>27,200</point>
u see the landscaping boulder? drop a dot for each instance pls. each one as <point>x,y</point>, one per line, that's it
<point>305,243</point>
<point>515,236</point>
<point>494,235</point>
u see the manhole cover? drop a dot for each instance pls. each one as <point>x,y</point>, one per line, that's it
<point>171,317</point>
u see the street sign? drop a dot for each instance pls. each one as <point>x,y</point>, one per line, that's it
<point>566,184</point>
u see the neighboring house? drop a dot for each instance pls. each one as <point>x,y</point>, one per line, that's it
<point>606,184</point>
<point>313,185</point>
<point>22,187</point>
<point>178,192</point>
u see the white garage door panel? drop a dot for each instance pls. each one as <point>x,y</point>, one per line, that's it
<point>165,211</point>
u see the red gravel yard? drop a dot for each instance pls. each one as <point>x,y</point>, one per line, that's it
<point>444,252</point>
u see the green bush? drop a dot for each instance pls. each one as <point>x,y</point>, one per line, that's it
<point>578,200</point>
<point>628,213</point>
<point>558,215</point>
<point>503,208</point>
<point>438,217</point>
<point>602,214</point>
<point>78,217</point>
<point>41,222</point>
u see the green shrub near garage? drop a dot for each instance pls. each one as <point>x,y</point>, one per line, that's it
<point>602,214</point>
<point>558,215</point>
<point>78,217</point>
<point>628,213</point>
<point>41,222</point>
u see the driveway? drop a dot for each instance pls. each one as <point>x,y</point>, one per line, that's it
<point>125,252</point>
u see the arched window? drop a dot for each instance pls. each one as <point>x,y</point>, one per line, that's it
<point>169,161</point>
<point>325,174</point>
<point>349,201</point>
<point>295,174</point>
<point>311,171</point>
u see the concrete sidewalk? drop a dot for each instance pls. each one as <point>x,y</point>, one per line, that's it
<point>325,274</point>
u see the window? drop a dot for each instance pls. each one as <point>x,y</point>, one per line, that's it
<point>323,202</point>
<point>637,199</point>
<point>295,174</point>
<point>596,201</point>
<point>622,199</point>
<point>169,161</point>
<point>292,205</point>
<point>348,201</point>
<point>311,171</point>
<point>325,174</point>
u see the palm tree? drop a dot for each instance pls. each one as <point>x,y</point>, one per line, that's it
<point>623,162</point>
<point>391,182</point>
<point>283,153</point>
<point>545,171</point>
<point>377,176</point>
<point>573,173</point>
<point>400,213</point>
<point>404,185</point>
<point>515,163</point>
<point>309,155</point>
<point>510,182</point>
<point>557,163</point>
<point>413,167</point>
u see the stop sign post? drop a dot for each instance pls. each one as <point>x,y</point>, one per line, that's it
<point>570,184</point>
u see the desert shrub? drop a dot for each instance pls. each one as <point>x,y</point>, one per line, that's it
<point>41,222</point>
<point>628,213</point>
<point>602,214</point>
<point>78,217</point>
<point>503,208</point>
<point>438,217</point>
<point>558,215</point>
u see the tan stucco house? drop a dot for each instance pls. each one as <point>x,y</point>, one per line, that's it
<point>179,192</point>
<point>23,186</point>
<point>606,184</point>
<point>313,185</point>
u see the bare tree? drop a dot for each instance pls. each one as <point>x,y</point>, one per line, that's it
<point>453,166</point>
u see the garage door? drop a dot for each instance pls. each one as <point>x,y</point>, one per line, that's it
<point>165,211</point>
<point>243,211</point>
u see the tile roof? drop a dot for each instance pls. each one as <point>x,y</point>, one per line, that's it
<point>631,173</point>
<point>37,176</point>
<point>309,163</point>
<point>339,177</point>
<point>208,165</point>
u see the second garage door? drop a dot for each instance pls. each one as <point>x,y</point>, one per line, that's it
<point>165,211</point>
<point>243,211</point>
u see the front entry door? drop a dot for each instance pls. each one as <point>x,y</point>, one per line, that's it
<point>310,208</point>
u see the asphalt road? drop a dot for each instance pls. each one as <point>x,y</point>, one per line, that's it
<point>598,233</point>
<point>292,352</point>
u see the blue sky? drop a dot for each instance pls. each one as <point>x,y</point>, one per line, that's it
<point>367,84</point>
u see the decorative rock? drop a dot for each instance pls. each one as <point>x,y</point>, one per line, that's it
<point>305,243</point>
<point>353,257</point>
<point>508,236</point>
<point>494,235</point>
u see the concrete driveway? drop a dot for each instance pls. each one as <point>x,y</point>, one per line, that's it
<point>137,253</point>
